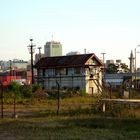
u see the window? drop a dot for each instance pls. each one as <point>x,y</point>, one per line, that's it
<point>39,72</point>
<point>77,71</point>
<point>70,71</point>
<point>62,71</point>
<point>50,72</point>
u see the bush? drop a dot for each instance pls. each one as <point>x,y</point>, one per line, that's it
<point>39,94</point>
<point>36,87</point>
<point>26,91</point>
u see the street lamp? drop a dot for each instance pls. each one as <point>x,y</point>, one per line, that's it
<point>136,65</point>
<point>31,51</point>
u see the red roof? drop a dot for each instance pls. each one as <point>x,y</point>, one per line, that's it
<point>66,61</point>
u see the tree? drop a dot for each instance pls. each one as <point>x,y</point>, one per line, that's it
<point>123,68</point>
<point>111,69</point>
<point>119,68</point>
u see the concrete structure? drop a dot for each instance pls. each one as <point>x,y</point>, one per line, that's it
<point>73,53</point>
<point>74,71</point>
<point>119,101</point>
<point>109,62</point>
<point>4,65</point>
<point>53,48</point>
<point>118,61</point>
<point>132,64</point>
<point>14,64</point>
<point>38,57</point>
<point>116,80</point>
<point>19,64</point>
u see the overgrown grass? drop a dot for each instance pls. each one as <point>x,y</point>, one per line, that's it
<point>80,118</point>
<point>71,128</point>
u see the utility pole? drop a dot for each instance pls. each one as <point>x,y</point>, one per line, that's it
<point>136,66</point>
<point>31,50</point>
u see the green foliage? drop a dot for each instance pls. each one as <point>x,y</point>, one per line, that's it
<point>124,67</point>
<point>82,92</point>
<point>15,88</point>
<point>36,87</point>
<point>70,128</point>
<point>111,69</point>
<point>26,91</point>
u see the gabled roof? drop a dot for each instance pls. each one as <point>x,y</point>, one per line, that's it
<point>67,61</point>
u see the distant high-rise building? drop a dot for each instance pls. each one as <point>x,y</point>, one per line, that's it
<point>53,48</point>
<point>118,61</point>
<point>73,53</point>
<point>109,62</point>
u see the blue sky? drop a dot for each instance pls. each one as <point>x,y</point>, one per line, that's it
<point>110,26</point>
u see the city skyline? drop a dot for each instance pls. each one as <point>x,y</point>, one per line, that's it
<point>97,26</point>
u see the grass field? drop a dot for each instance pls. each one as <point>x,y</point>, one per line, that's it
<point>39,121</point>
<point>70,128</point>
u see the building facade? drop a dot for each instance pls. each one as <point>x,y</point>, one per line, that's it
<point>19,64</point>
<point>53,48</point>
<point>74,71</point>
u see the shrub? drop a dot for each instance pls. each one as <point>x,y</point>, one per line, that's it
<point>26,91</point>
<point>15,88</point>
<point>36,87</point>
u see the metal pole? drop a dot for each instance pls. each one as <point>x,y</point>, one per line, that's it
<point>135,70</point>
<point>136,66</point>
<point>32,61</point>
